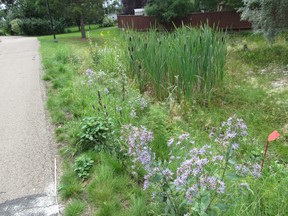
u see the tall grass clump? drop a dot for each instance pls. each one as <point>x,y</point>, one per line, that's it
<point>188,60</point>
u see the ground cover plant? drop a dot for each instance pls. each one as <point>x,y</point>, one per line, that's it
<point>169,156</point>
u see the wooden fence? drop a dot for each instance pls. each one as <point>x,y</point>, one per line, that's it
<point>229,20</point>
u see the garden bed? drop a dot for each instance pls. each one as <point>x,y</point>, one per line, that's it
<point>112,136</point>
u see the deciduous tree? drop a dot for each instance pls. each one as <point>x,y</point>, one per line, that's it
<point>83,9</point>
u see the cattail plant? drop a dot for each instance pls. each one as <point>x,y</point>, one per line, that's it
<point>190,59</point>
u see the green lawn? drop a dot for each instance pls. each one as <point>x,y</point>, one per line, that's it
<point>76,29</point>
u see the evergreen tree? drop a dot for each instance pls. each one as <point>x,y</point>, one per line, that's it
<point>267,16</point>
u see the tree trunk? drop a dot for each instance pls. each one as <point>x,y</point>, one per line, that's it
<point>83,33</point>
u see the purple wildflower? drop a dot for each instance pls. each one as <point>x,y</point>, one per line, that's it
<point>106,91</point>
<point>221,187</point>
<point>170,142</point>
<point>138,149</point>
<point>242,169</point>
<point>202,150</point>
<point>142,102</point>
<point>217,157</point>
<point>211,182</point>
<point>191,193</point>
<point>235,146</point>
<point>167,174</point>
<point>90,73</point>
<point>184,136</point>
<point>256,172</point>
<point>133,113</point>
<point>211,134</point>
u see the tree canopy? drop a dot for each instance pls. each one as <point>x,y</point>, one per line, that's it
<point>267,16</point>
<point>170,9</point>
<point>65,11</point>
<point>83,9</point>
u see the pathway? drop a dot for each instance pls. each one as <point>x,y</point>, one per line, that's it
<point>27,150</point>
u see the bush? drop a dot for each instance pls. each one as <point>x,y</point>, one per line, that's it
<point>2,33</point>
<point>16,26</point>
<point>33,26</point>
<point>107,22</point>
<point>5,24</point>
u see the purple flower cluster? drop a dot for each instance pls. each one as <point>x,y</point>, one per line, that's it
<point>90,74</point>
<point>191,193</point>
<point>138,140</point>
<point>106,91</point>
<point>248,169</point>
<point>142,102</point>
<point>229,131</point>
<point>198,170</point>
<point>193,169</point>
<point>133,113</point>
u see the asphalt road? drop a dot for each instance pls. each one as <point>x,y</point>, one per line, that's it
<point>27,150</point>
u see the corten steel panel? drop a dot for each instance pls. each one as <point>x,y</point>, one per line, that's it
<point>140,23</point>
<point>223,19</point>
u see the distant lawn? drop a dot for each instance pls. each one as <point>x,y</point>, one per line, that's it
<point>99,35</point>
<point>72,29</point>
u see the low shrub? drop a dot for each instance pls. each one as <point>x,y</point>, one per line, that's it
<point>16,26</point>
<point>107,22</point>
<point>34,26</point>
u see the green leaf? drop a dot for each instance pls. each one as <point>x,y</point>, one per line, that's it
<point>232,161</point>
<point>221,206</point>
<point>232,176</point>
<point>156,178</point>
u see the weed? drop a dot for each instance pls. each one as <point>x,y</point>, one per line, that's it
<point>95,134</point>
<point>83,164</point>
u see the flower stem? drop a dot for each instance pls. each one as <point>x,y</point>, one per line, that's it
<point>170,198</point>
